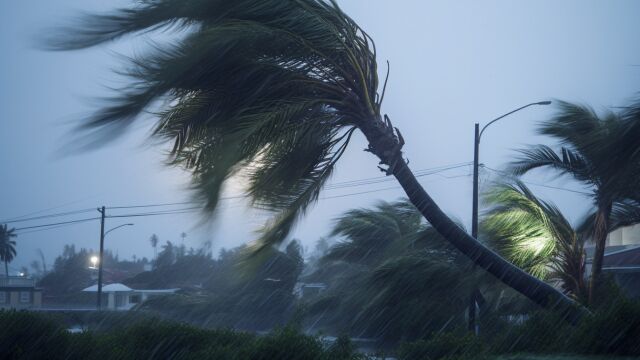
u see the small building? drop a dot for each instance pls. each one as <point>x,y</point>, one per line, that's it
<point>624,267</point>
<point>19,292</point>
<point>305,290</point>
<point>122,297</point>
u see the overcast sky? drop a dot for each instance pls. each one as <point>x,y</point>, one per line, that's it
<point>453,63</point>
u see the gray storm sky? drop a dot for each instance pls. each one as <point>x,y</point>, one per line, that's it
<point>453,63</point>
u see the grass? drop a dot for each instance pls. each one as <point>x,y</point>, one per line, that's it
<point>560,357</point>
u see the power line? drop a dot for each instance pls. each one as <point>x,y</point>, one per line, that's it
<point>536,184</point>
<point>339,185</point>
<point>59,223</point>
<point>50,216</point>
<point>345,184</point>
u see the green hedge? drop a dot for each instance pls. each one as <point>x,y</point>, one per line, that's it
<point>28,335</point>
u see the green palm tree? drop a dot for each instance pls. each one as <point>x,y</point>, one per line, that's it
<point>536,236</point>
<point>597,151</point>
<point>7,246</point>
<point>271,90</point>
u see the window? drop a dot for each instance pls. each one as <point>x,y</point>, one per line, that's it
<point>134,299</point>
<point>25,296</point>
<point>3,297</point>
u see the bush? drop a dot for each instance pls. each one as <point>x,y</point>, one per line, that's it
<point>453,345</point>
<point>27,335</point>
<point>612,330</point>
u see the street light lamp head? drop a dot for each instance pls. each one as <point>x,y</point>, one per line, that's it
<point>544,103</point>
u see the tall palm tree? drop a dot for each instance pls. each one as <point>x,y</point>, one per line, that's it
<point>270,89</point>
<point>7,246</point>
<point>536,236</point>
<point>595,151</point>
<point>154,244</point>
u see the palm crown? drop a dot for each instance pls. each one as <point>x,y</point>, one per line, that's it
<point>269,89</point>
<point>7,246</point>
<point>534,235</point>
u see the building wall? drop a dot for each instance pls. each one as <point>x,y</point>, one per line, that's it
<point>13,298</point>
<point>629,235</point>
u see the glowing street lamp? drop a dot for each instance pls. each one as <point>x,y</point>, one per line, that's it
<point>94,261</point>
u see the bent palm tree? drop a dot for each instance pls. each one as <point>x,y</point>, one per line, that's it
<point>272,90</point>
<point>596,152</point>
<point>7,246</point>
<point>536,236</point>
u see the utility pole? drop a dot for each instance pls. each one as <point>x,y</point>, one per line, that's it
<point>473,299</point>
<point>474,225</point>
<point>102,212</point>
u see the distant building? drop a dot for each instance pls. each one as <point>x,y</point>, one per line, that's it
<point>621,259</point>
<point>304,290</point>
<point>19,292</point>
<point>122,297</point>
<point>624,267</point>
<point>626,236</point>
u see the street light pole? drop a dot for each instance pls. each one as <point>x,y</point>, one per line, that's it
<point>474,209</point>
<point>100,259</point>
<point>102,213</point>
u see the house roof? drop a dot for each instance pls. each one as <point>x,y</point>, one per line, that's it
<point>123,288</point>
<point>109,288</point>
<point>623,258</point>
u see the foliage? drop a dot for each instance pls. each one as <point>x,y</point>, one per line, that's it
<point>599,152</point>
<point>230,296</point>
<point>25,335</point>
<point>535,235</point>
<point>71,273</point>
<point>410,283</point>
<point>449,345</point>
<point>271,90</point>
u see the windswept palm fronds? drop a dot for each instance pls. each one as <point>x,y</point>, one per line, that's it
<point>7,246</point>
<point>535,235</point>
<point>599,151</point>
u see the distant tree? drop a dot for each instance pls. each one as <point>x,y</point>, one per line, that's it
<point>44,263</point>
<point>36,267</point>
<point>410,281</point>
<point>167,256</point>
<point>154,245</point>
<point>536,236</point>
<point>7,246</point>
<point>599,152</point>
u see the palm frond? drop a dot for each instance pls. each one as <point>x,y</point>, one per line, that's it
<point>525,229</point>
<point>271,90</point>
<point>567,162</point>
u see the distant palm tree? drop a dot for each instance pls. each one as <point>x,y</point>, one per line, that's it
<point>154,244</point>
<point>536,236</point>
<point>273,90</point>
<point>7,246</point>
<point>599,152</point>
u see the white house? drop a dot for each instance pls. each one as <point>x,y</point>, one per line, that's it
<point>122,297</point>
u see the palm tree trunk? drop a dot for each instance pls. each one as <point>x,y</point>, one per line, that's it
<point>600,237</point>
<point>6,268</point>
<point>536,290</point>
<point>387,145</point>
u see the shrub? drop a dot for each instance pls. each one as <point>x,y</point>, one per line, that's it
<point>452,345</point>
<point>611,330</point>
